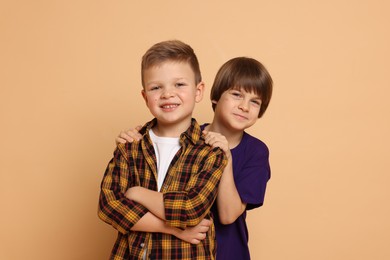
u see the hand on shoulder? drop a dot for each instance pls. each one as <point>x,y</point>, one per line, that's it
<point>215,139</point>
<point>128,136</point>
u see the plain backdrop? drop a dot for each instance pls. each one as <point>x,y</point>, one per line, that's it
<point>70,81</point>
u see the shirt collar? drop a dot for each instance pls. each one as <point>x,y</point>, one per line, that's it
<point>192,134</point>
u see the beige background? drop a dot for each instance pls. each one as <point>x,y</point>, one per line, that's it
<point>70,81</point>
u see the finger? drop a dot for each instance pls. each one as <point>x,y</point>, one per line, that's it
<point>212,139</point>
<point>208,135</point>
<point>127,137</point>
<point>206,222</point>
<point>134,136</point>
<point>203,229</point>
<point>195,241</point>
<point>213,134</point>
<point>134,133</point>
<point>216,143</point>
<point>119,140</point>
<point>201,236</point>
<point>209,139</point>
<point>216,138</point>
<point>139,136</point>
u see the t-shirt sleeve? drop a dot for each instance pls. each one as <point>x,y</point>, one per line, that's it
<point>251,182</point>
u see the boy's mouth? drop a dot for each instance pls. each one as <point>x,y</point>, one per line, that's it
<point>169,106</point>
<point>241,117</point>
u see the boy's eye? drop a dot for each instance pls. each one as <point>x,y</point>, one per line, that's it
<point>154,87</point>
<point>180,84</point>
<point>256,102</point>
<point>236,94</point>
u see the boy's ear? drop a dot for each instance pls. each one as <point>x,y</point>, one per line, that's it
<point>144,96</point>
<point>199,91</point>
<point>214,101</point>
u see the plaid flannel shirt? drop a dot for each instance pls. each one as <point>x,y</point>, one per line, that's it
<point>189,190</point>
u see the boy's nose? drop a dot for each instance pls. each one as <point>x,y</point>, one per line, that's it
<point>167,93</point>
<point>244,106</point>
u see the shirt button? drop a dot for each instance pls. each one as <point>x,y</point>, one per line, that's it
<point>142,245</point>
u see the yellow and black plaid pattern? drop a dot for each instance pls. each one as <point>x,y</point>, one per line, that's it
<point>190,188</point>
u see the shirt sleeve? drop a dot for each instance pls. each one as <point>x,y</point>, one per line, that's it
<point>189,207</point>
<point>114,208</point>
<point>251,182</point>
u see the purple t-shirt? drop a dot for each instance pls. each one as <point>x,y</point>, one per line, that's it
<point>251,173</point>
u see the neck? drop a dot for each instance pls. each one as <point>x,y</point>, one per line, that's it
<point>170,130</point>
<point>233,137</point>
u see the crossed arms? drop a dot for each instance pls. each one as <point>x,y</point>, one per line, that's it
<point>141,209</point>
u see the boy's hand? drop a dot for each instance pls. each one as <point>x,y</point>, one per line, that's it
<point>217,140</point>
<point>130,135</point>
<point>195,234</point>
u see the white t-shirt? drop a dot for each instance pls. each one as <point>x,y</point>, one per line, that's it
<point>165,149</point>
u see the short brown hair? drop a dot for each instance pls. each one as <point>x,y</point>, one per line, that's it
<point>246,73</point>
<point>172,50</point>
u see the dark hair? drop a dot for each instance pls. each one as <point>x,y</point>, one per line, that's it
<point>246,73</point>
<point>173,50</point>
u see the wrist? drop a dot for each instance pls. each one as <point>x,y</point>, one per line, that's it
<point>176,232</point>
<point>131,193</point>
<point>229,163</point>
<point>228,154</point>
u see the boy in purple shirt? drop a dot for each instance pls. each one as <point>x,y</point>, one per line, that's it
<point>240,95</point>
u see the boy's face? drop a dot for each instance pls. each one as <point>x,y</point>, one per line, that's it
<point>237,109</point>
<point>170,93</point>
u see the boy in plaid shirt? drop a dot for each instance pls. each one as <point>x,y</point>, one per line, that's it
<point>155,189</point>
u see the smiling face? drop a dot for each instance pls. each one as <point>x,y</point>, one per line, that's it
<point>170,93</point>
<point>237,109</point>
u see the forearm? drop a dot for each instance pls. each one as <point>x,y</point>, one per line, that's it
<point>150,199</point>
<point>114,208</point>
<point>183,202</point>
<point>150,223</point>
<point>190,206</point>
<point>229,203</point>
<point>186,207</point>
<point>121,213</point>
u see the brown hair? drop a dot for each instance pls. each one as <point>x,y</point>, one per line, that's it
<point>246,73</point>
<point>173,50</point>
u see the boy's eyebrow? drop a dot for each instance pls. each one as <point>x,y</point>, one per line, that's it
<point>152,82</point>
<point>180,78</point>
<point>257,96</point>
<point>159,82</point>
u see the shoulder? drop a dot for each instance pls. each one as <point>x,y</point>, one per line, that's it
<point>121,151</point>
<point>196,142</point>
<point>200,153</point>
<point>253,145</point>
<point>127,150</point>
<point>206,149</point>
